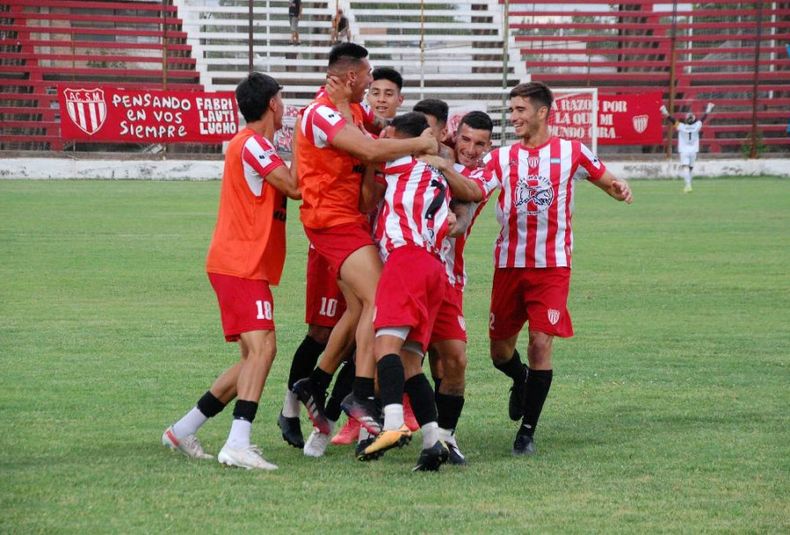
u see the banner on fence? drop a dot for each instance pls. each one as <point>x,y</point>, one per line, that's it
<point>140,116</point>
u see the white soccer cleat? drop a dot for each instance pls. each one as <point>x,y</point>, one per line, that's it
<point>687,189</point>
<point>316,443</point>
<point>249,458</point>
<point>189,445</point>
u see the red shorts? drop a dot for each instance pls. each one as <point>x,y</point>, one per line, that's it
<point>336,243</point>
<point>537,295</point>
<point>410,292</point>
<point>244,304</point>
<point>450,323</point>
<point>324,302</point>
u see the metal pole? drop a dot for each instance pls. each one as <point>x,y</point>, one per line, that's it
<point>422,49</point>
<point>249,38</point>
<point>672,80</point>
<point>505,58</point>
<point>757,42</point>
<point>164,45</point>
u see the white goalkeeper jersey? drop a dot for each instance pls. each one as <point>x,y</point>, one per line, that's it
<point>536,202</point>
<point>688,136</point>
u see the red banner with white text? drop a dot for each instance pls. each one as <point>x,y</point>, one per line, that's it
<point>139,116</point>
<point>630,119</point>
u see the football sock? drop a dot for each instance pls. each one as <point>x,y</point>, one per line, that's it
<point>290,404</point>
<point>320,379</point>
<point>391,381</point>
<point>243,415</point>
<point>304,359</point>
<point>437,382</point>
<point>341,388</point>
<point>513,368</point>
<point>207,406</point>
<point>449,410</point>
<point>430,434</point>
<point>538,385</point>
<point>422,399</point>
<point>687,176</point>
<point>364,388</point>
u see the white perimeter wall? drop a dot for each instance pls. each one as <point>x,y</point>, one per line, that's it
<point>56,168</point>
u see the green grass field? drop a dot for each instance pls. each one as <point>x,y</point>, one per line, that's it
<point>668,411</point>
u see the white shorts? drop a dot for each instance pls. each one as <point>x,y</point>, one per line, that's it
<point>688,158</point>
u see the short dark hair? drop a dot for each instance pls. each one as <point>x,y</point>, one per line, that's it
<point>254,93</point>
<point>388,73</point>
<point>433,107</point>
<point>410,124</point>
<point>537,92</point>
<point>347,52</point>
<point>478,120</point>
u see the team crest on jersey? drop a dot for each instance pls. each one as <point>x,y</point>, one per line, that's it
<point>86,108</point>
<point>640,123</point>
<point>553,315</point>
<point>535,194</point>
<point>533,162</point>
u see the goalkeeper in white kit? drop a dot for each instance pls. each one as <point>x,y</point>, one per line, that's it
<point>688,140</point>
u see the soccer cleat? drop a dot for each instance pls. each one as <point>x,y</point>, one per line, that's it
<point>524,445</point>
<point>386,440</point>
<point>431,458</point>
<point>687,189</point>
<point>316,443</point>
<point>360,450</point>
<point>249,458</point>
<point>518,398</point>
<point>363,411</point>
<point>313,401</point>
<point>455,456</point>
<point>348,434</point>
<point>291,430</point>
<point>408,415</point>
<point>189,445</point>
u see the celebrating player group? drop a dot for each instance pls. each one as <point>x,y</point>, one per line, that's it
<point>387,204</point>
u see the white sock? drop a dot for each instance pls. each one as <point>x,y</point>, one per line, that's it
<point>430,434</point>
<point>393,416</point>
<point>239,436</point>
<point>290,404</point>
<point>687,176</point>
<point>363,435</point>
<point>189,424</point>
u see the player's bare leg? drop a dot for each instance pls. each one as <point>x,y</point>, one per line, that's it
<point>258,349</point>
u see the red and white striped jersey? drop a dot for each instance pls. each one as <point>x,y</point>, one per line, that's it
<point>536,203</point>
<point>453,247</point>
<point>415,208</point>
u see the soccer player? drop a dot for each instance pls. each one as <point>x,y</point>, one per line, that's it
<point>436,111</point>
<point>245,257</point>
<point>688,140</point>
<point>414,220</point>
<point>384,97</point>
<point>448,340</point>
<point>332,150</point>
<point>532,255</point>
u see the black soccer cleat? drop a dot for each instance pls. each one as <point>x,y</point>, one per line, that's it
<point>518,398</point>
<point>431,458</point>
<point>292,431</point>
<point>363,411</point>
<point>359,451</point>
<point>313,400</point>
<point>524,445</point>
<point>455,456</point>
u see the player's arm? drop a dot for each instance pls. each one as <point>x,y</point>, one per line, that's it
<point>462,188</point>
<point>351,140</point>
<point>668,117</point>
<point>372,190</point>
<point>284,181</point>
<point>708,108</point>
<point>614,187</point>
<point>463,216</point>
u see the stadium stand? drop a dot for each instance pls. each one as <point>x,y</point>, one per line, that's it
<point>730,53</point>
<point>47,42</point>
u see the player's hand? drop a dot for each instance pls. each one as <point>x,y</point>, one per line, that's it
<point>338,91</point>
<point>435,161</point>
<point>430,143</point>
<point>664,111</point>
<point>709,107</point>
<point>621,191</point>
<point>452,225</point>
